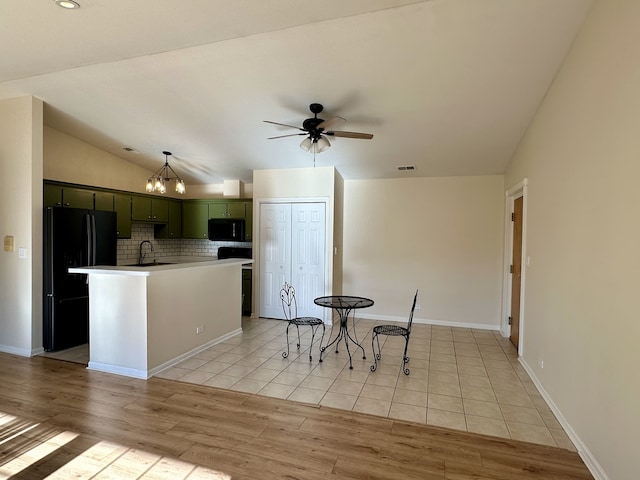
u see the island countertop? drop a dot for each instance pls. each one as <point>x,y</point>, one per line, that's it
<point>147,270</point>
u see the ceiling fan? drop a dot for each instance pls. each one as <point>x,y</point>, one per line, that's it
<point>317,129</point>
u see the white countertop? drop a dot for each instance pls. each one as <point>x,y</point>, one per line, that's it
<point>153,269</point>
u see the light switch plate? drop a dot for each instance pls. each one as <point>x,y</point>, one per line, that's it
<point>22,252</point>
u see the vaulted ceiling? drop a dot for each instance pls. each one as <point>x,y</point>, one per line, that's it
<point>449,86</point>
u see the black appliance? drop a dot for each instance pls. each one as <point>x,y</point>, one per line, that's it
<point>234,252</point>
<point>226,229</point>
<point>73,237</point>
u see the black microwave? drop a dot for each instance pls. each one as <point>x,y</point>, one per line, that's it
<point>226,229</point>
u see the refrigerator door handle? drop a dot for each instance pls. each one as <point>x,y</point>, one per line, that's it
<point>93,240</point>
<point>87,221</point>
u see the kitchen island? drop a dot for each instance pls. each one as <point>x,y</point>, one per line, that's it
<point>143,319</point>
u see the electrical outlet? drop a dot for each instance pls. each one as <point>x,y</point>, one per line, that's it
<point>199,329</point>
<point>418,306</point>
<point>541,363</point>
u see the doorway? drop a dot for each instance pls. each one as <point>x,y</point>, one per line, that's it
<point>515,261</point>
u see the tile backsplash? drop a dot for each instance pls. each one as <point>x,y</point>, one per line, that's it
<point>129,248</point>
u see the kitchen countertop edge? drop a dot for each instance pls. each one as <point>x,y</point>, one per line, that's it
<point>154,269</point>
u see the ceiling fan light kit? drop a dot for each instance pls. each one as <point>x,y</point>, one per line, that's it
<point>158,181</point>
<point>315,146</point>
<point>316,129</point>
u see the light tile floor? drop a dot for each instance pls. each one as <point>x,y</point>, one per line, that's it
<point>460,378</point>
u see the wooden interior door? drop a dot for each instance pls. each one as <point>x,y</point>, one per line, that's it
<point>516,267</point>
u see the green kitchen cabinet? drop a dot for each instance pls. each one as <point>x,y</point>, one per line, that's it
<point>195,219</point>
<point>122,206</point>
<point>104,201</point>
<point>227,209</point>
<point>246,291</point>
<point>248,224</point>
<point>149,209</point>
<point>173,228</point>
<point>60,196</point>
<point>218,210</point>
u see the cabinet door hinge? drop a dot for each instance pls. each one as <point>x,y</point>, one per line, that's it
<point>510,268</point>
<point>509,320</point>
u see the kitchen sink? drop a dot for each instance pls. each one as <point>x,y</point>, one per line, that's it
<point>149,264</point>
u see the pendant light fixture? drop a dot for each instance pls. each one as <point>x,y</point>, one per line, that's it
<point>158,181</point>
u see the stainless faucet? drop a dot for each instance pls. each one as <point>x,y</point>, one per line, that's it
<point>141,256</point>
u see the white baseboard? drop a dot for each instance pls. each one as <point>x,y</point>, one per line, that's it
<point>425,321</point>
<point>587,457</point>
<point>127,372</point>
<point>146,374</point>
<point>191,353</point>
<point>23,352</point>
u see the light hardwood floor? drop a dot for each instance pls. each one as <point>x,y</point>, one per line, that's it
<point>59,420</point>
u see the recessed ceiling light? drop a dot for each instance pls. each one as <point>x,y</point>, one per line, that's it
<point>68,4</point>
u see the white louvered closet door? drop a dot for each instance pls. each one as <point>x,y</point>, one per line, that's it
<point>292,249</point>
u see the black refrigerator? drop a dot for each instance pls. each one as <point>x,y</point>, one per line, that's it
<point>73,237</point>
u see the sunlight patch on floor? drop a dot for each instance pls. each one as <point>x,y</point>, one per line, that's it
<point>25,444</point>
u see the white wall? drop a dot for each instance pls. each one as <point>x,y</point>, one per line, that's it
<point>315,184</point>
<point>582,158</point>
<point>441,235</point>
<point>21,217</point>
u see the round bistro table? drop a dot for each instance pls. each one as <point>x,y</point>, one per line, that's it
<point>343,305</point>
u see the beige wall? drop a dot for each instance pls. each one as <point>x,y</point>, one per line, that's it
<point>442,236</point>
<point>21,218</point>
<point>68,159</point>
<point>71,160</point>
<point>582,158</point>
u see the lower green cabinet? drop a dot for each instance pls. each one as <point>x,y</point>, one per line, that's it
<point>246,291</point>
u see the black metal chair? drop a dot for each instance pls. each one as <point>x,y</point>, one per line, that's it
<point>290,307</point>
<point>393,331</point>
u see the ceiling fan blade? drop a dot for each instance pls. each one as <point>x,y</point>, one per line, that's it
<point>284,125</point>
<point>327,124</point>
<point>290,135</point>
<point>365,136</point>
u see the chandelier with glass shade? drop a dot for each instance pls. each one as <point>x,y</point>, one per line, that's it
<point>158,181</point>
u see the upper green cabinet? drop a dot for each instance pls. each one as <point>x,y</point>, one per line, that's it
<point>195,218</point>
<point>148,209</point>
<point>227,209</point>
<point>172,218</point>
<point>104,201</point>
<point>173,228</point>
<point>122,206</point>
<point>59,196</point>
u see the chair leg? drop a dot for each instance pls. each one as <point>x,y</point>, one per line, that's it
<point>321,340</point>
<point>313,334</point>
<point>286,354</point>
<point>376,356</point>
<point>298,329</point>
<point>405,359</point>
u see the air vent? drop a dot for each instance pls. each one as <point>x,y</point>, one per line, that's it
<point>404,168</point>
